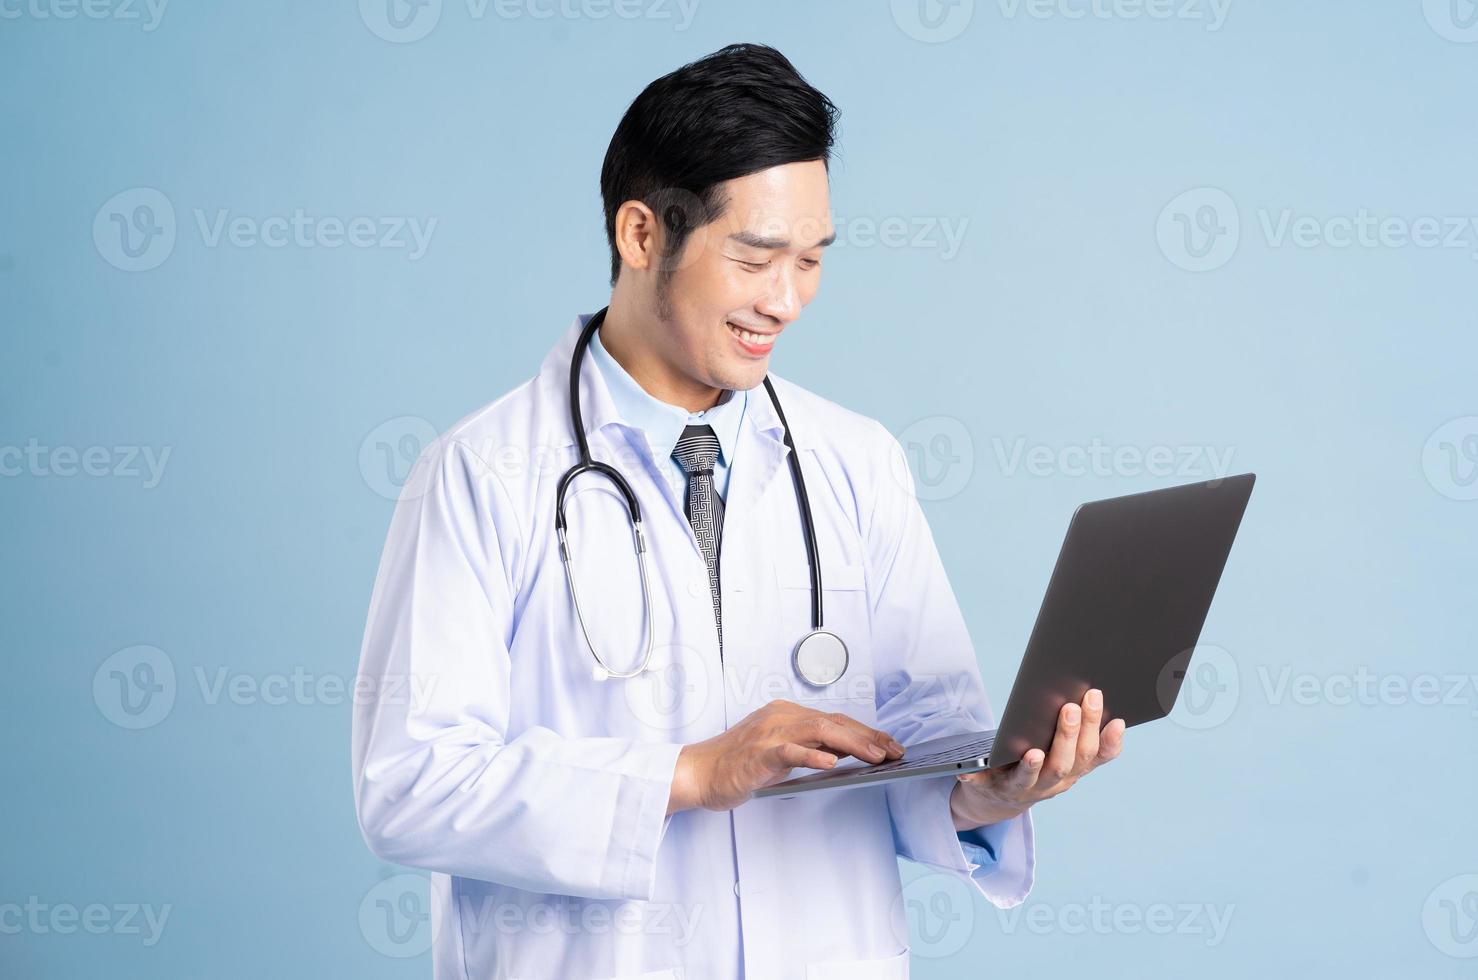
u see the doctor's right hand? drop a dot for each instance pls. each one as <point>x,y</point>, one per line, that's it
<point>721,772</point>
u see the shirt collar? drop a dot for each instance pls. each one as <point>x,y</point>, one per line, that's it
<point>662,423</point>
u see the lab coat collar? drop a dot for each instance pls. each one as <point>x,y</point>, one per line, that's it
<point>663,424</point>
<point>599,408</point>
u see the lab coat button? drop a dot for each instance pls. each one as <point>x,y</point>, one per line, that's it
<point>736,889</point>
<point>697,588</point>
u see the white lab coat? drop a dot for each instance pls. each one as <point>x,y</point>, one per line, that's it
<point>536,792</point>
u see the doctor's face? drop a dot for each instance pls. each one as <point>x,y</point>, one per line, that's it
<point>745,277</point>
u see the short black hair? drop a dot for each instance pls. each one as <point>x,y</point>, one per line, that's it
<point>737,111</point>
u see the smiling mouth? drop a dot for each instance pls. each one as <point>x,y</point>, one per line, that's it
<point>755,343</point>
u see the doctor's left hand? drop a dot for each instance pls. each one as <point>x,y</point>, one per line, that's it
<point>1078,747</point>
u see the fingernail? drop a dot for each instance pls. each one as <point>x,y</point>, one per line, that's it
<point>897,746</point>
<point>878,750</point>
<point>1072,714</point>
<point>1095,699</point>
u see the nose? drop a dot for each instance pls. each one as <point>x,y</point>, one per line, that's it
<point>781,300</point>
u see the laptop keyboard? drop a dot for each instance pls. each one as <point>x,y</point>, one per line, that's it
<point>968,750</point>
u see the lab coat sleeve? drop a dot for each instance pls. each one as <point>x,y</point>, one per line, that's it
<point>928,686</point>
<point>438,785</point>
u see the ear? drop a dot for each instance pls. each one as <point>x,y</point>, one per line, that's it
<point>638,235</point>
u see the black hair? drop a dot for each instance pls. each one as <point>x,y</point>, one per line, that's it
<point>737,111</point>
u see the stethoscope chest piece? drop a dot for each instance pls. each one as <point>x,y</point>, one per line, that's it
<point>820,658</point>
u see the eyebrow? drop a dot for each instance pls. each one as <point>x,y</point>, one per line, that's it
<point>759,241</point>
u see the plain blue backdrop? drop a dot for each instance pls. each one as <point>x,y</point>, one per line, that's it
<point>1086,247</point>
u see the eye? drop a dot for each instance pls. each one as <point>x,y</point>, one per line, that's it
<point>809,264</point>
<point>753,266</point>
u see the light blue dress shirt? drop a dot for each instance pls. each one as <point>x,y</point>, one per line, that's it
<point>663,424</point>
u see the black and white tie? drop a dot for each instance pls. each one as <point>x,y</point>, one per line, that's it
<point>697,452</point>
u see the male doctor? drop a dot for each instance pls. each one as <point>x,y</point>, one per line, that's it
<point>588,821</point>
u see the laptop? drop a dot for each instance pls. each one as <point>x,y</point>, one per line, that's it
<point>1123,613</point>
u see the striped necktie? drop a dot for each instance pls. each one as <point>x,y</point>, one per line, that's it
<point>697,452</point>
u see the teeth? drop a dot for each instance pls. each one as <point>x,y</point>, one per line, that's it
<point>752,338</point>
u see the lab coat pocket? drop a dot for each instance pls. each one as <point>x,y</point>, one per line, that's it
<point>888,968</point>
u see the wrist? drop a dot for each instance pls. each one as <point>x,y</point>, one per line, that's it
<point>968,811</point>
<point>683,795</point>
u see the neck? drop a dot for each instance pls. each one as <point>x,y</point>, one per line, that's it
<point>634,337</point>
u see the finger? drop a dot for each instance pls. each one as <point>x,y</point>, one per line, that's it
<point>826,731</point>
<point>1061,756</point>
<point>1014,781</point>
<point>789,755</point>
<point>1088,735</point>
<point>1112,742</point>
<point>891,748</point>
<point>1024,775</point>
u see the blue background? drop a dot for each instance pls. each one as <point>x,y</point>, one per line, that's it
<point>1333,835</point>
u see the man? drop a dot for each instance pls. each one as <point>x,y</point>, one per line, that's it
<point>584,818</point>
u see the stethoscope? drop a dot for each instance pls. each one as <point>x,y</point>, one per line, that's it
<point>819,658</point>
